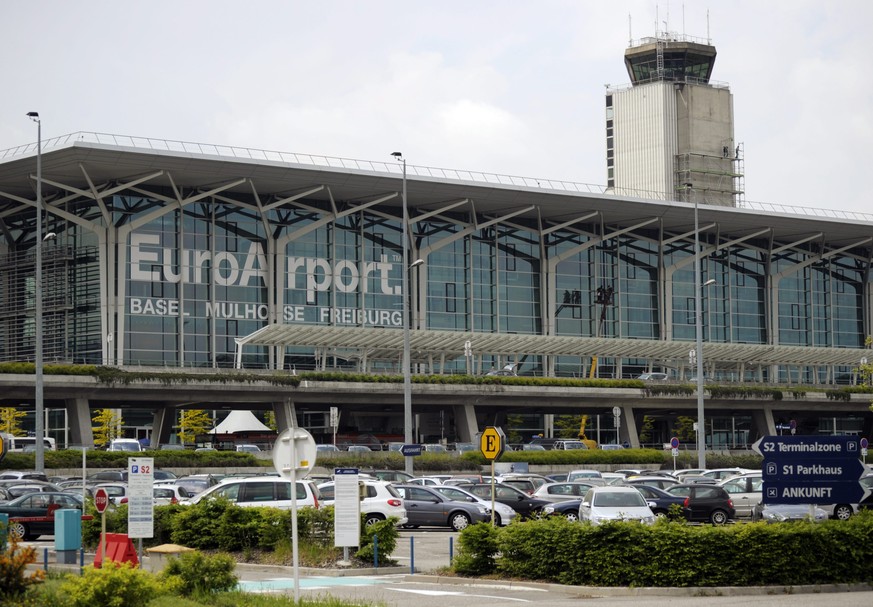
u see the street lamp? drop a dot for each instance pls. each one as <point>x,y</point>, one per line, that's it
<point>698,332</point>
<point>39,429</point>
<point>407,377</point>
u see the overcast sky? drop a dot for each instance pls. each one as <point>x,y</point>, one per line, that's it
<point>498,86</point>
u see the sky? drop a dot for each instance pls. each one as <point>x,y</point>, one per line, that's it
<point>496,86</point>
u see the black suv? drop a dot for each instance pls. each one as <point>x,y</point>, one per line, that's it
<point>705,503</point>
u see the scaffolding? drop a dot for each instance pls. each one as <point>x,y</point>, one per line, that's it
<point>711,179</point>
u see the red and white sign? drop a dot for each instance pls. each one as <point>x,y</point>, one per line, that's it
<point>101,500</point>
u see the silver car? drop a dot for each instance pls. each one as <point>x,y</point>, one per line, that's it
<point>611,503</point>
<point>503,514</point>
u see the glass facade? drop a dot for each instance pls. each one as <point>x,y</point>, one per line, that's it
<point>190,280</point>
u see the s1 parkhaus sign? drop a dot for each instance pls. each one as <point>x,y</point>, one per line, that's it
<point>811,469</point>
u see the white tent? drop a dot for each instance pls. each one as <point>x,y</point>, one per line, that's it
<point>240,421</point>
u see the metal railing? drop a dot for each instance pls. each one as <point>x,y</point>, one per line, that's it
<point>243,153</point>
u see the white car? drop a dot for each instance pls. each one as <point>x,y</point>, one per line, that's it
<point>125,444</point>
<point>257,491</point>
<point>745,491</point>
<point>503,514</point>
<point>612,503</point>
<point>165,494</point>
<point>382,501</point>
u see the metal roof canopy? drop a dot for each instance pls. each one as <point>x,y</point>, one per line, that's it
<point>451,344</point>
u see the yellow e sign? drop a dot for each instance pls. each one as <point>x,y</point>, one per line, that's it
<point>491,442</point>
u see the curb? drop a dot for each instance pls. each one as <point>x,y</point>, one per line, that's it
<point>610,591</point>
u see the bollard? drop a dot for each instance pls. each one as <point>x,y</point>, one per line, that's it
<point>376,551</point>
<point>411,554</point>
<point>81,561</point>
<point>451,550</point>
<point>45,560</point>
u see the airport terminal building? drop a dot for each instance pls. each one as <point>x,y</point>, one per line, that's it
<point>180,255</point>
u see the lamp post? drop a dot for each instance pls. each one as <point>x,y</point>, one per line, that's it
<point>407,377</point>
<point>39,428</point>
<point>698,333</point>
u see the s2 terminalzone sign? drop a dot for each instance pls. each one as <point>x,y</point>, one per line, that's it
<point>152,263</point>
<point>811,469</point>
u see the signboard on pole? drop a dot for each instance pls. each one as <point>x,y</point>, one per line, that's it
<point>140,498</point>
<point>346,508</point>
<point>101,499</point>
<point>491,443</point>
<point>811,469</point>
<point>410,450</point>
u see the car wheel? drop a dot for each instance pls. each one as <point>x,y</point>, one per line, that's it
<point>843,512</point>
<point>498,522</point>
<point>571,516</point>
<point>372,519</point>
<point>718,517</point>
<point>660,513</point>
<point>459,521</point>
<point>18,530</point>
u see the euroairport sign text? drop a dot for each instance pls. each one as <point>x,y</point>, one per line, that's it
<point>828,492</point>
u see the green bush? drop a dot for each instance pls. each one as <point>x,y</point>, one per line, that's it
<point>199,525</point>
<point>113,585</point>
<point>678,554</point>
<point>387,533</point>
<point>477,551</point>
<point>15,580</point>
<point>195,574</point>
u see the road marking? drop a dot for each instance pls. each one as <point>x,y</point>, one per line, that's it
<point>308,583</point>
<point>449,593</point>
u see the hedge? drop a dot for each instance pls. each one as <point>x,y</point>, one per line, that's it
<point>676,554</point>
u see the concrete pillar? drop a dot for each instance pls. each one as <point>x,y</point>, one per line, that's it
<point>762,423</point>
<point>627,430</point>
<point>465,421</point>
<point>286,414</point>
<point>162,426</point>
<point>79,417</point>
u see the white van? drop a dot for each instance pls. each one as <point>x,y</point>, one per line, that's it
<point>125,444</point>
<point>261,491</point>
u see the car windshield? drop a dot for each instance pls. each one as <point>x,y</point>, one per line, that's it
<point>619,500</point>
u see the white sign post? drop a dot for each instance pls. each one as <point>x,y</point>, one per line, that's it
<point>293,456</point>
<point>346,509</point>
<point>140,499</point>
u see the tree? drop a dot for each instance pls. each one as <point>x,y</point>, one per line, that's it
<point>567,426</point>
<point>647,429</point>
<point>270,421</point>
<point>193,422</point>
<point>10,421</point>
<point>684,429</point>
<point>108,427</point>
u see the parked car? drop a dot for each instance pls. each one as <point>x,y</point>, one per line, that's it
<point>614,503</point>
<point>196,483</point>
<point>40,504</point>
<point>655,376</point>
<point>525,505</point>
<point>13,489</point>
<point>434,448</point>
<point>393,476</point>
<point>745,491</point>
<point>125,444</point>
<point>659,500</point>
<point>18,475</point>
<point>382,501</point>
<point>843,512</point>
<point>569,509</point>
<point>705,503</point>
<point>359,449</point>
<point>328,448</point>
<point>117,492</point>
<point>119,475</point>
<point>584,475</point>
<point>503,514</point>
<point>248,448</point>
<point>559,492</point>
<point>785,513</point>
<point>167,493</point>
<point>261,491</point>
<point>426,507</point>
<point>425,481</point>
<point>725,473</point>
<point>661,482</point>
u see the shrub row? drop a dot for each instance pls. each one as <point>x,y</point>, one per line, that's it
<point>671,554</point>
<point>97,459</point>
<point>217,524</point>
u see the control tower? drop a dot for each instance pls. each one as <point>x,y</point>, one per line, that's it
<point>670,133</point>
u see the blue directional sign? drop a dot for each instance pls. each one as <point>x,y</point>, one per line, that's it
<point>812,470</point>
<point>827,492</point>
<point>411,450</point>
<point>808,447</point>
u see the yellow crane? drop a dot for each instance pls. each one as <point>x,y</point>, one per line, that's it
<point>591,444</point>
